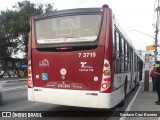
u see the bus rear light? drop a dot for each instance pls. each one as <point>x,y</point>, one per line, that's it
<point>35,17</point>
<point>29,77</point>
<point>29,71</point>
<point>106,77</point>
<point>64,48</point>
<point>106,65</point>
<point>101,9</point>
<point>29,65</point>
<point>30,82</point>
<point>106,72</point>
<point>106,85</point>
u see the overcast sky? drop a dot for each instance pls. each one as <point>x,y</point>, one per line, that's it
<point>131,14</point>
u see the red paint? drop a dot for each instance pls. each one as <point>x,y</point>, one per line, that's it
<point>72,63</point>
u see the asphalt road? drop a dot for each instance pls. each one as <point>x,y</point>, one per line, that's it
<point>15,99</point>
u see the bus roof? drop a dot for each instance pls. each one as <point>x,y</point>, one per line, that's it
<point>70,11</point>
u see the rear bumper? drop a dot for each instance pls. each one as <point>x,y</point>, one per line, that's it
<point>79,98</point>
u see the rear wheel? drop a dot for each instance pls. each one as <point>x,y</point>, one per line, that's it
<point>134,85</point>
<point>137,84</point>
<point>125,93</point>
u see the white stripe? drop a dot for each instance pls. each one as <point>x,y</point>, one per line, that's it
<point>14,88</point>
<point>15,80</point>
<point>25,94</point>
<point>131,103</point>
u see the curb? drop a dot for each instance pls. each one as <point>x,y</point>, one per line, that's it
<point>12,81</point>
<point>13,78</point>
<point>9,81</point>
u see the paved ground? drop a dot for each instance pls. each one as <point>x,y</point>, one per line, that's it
<point>145,103</point>
<point>13,81</point>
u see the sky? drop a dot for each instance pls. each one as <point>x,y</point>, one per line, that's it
<point>132,15</point>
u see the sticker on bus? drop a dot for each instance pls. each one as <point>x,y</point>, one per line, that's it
<point>85,67</point>
<point>44,76</point>
<point>44,63</point>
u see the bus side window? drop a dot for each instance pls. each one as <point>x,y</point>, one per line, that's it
<point>126,57</point>
<point>117,52</point>
<point>122,55</point>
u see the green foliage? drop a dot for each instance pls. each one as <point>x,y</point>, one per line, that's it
<point>14,26</point>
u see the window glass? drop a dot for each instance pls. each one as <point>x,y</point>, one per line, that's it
<point>68,29</point>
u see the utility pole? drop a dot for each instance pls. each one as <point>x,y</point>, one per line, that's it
<point>157,29</point>
<point>156,42</point>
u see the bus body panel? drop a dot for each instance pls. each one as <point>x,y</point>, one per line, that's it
<point>82,69</point>
<point>66,97</point>
<point>110,100</point>
<point>31,94</point>
<point>80,98</point>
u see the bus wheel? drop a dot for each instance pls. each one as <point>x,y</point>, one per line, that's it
<point>122,102</point>
<point>137,84</point>
<point>134,85</point>
<point>125,88</point>
<point>125,94</point>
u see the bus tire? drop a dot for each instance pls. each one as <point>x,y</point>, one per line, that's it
<point>122,102</point>
<point>125,88</point>
<point>137,84</point>
<point>125,93</point>
<point>134,88</point>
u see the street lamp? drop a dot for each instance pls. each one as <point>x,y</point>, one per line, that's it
<point>155,39</point>
<point>157,30</point>
<point>146,82</point>
<point>142,33</point>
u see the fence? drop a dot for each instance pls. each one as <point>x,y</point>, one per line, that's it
<point>13,67</point>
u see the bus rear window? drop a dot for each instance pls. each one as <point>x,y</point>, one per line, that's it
<point>68,29</point>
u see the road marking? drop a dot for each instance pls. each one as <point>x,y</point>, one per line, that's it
<point>131,103</point>
<point>14,88</point>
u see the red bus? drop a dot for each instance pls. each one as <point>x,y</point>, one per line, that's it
<point>81,57</point>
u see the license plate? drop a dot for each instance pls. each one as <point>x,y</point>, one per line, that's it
<point>64,86</point>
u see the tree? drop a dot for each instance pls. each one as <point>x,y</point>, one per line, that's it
<point>6,41</point>
<point>14,26</point>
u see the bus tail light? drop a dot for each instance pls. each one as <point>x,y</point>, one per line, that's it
<point>106,77</point>
<point>30,82</point>
<point>101,10</point>
<point>35,17</point>
<point>106,72</point>
<point>106,85</point>
<point>64,48</point>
